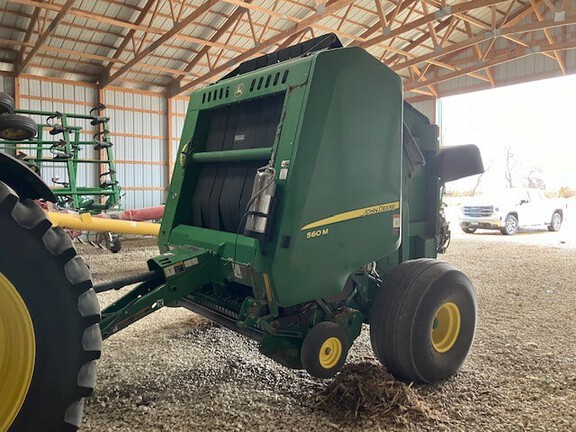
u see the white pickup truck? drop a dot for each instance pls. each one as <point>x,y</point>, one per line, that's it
<point>511,209</point>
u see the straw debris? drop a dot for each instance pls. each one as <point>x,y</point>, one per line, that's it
<point>368,390</point>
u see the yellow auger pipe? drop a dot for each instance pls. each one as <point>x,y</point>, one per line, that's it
<point>87,222</point>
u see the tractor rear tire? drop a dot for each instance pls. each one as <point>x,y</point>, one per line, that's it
<point>324,350</point>
<point>16,127</point>
<point>49,314</point>
<point>423,320</point>
<point>6,103</point>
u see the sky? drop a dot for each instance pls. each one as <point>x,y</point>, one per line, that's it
<point>537,120</point>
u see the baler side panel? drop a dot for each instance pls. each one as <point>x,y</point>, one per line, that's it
<point>354,103</point>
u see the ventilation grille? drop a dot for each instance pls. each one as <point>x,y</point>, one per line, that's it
<point>216,94</point>
<point>270,80</point>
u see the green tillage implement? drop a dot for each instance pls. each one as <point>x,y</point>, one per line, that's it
<point>306,201</point>
<point>72,154</point>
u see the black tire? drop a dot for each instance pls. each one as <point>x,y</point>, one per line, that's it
<point>468,230</point>
<point>113,243</point>
<point>40,263</point>
<point>510,225</point>
<point>405,311</point>
<point>555,222</point>
<point>324,350</point>
<point>15,127</point>
<point>6,104</point>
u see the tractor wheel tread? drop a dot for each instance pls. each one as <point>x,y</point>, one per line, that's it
<point>29,216</point>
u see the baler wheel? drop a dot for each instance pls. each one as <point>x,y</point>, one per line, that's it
<point>49,333</point>
<point>324,350</point>
<point>469,230</point>
<point>423,320</point>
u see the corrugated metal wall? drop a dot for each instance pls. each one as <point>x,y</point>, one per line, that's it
<point>138,130</point>
<point>7,84</point>
<point>428,108</point>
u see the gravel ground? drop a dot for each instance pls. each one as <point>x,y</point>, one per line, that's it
<point>174,371</point>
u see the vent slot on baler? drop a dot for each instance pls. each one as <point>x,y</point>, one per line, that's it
<point>223,189</point>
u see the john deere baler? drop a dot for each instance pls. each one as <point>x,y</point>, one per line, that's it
<point>306,201</point>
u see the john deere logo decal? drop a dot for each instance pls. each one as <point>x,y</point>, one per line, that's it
<point>239,90</point>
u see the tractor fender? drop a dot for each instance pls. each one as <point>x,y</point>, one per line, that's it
<point>25,182</point>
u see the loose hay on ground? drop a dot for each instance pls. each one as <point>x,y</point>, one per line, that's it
<point>368,390</point>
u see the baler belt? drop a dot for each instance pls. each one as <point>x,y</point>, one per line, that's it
<point>224,189</point>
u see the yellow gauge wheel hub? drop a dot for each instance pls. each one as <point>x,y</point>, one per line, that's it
<point>446,327</point>
<point>330,353</point>
<point>13,133</point>
<point>17,352</point>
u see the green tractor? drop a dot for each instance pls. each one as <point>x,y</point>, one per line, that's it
<point>306,201</point>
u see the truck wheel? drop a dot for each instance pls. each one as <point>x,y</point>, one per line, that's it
<point>468,230</point>
<point>15,127</point>
<point>324,350</point>
<point>6,104</point>
<point>510,225</point>
<point>423,320</point>
<point>49,314</point>
<point>556,222</point>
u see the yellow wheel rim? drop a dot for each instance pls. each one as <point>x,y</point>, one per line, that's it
<point>17,352</point>
<point>446,327</point>
<point>13,133</point>
<point>330,353</point>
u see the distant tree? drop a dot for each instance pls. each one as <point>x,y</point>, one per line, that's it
<point>533,178</point>
<point>479,178</point>
<point>566,192</point>
<point>510,166</point>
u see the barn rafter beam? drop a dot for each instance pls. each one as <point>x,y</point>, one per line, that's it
<point>285,17</point>
<point>236,22</point>
<point>150,22</point>
<point>431,17</point>
<point>417,42</point>
<point>411,10</point>
<point>548,37</point>
<point>114,22</point>
<point>479,53</point>
<point>185,22</point>
<point>251,25</point>
<point>497,60</point>
<point>30,30</point>
<point>418,75</point>
<point>233,20</point>
<point>430,25</point>
<point>484,26</point>
<point>389,17</point>
<point>507,21</point>
<point>43,38</point>
<point>486,36</point>
<point>381,15</point>
<point>267,23</point>
<point>329,9</point>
